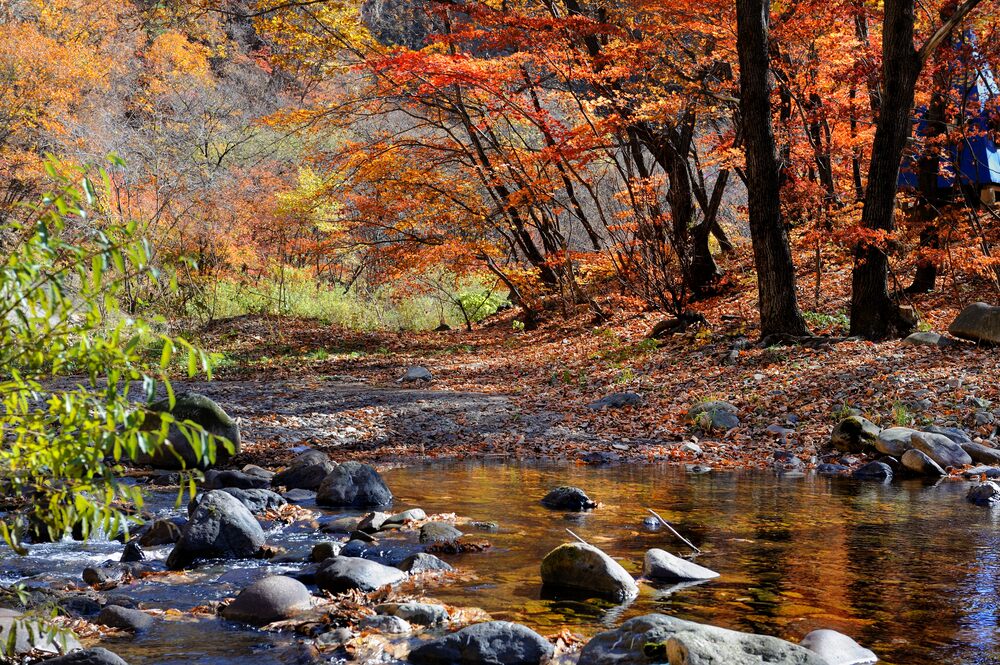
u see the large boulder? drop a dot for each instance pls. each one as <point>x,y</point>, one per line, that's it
<point>978,322</point>
<point>941,449</point>
<point>568,498</point>
<point>657,638</point>
<point>854,434</point>
<point>94,656</point>
<point>354,484</point>
<point>894,440</point>
<point>919,463</point>
<point>217,480</point>
<point>489,643</point>
<point>23,635</point>
<point>269,599</point>
<point>125,618</point>
<point>177,452</point>
<point>662,566</point>
<point>584,568</point>
<point>837,648</point>
<point>341,573</point>
<point>306,472</point>
<point>221,527</point>
<point>981,454</point>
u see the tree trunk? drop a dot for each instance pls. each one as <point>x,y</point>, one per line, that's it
<point>778,306</point>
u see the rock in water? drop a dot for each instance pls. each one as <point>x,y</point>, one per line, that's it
<point>941,449</point>
<point>115,616</point>
<point>306,472</point>
<point>894,441</point>
<point>95,656</point>
<point>568,498</point>
<point>160,532</point>
<point>425,614</point>
<point>415,374</point>
<point>492,643</point>
<point>220,528</point>
<point>879,471</point>
<point>854,434</point>
<point>269,599</point>
<point>22,635</point>
<point>663,566</point>
<point>257,501</point>
<point>439,532</point>
<point>919,463</point>
<point>217,480</point>
<point>657,638</point>
<point>978,322</point>
<point>984,494</point>
<point>177,452</point>
<point>354,484</point>
<point>616,401</point>
<point>837,648</point>
<point>581,567</point>
<point>340,573</point>
<point>714,415</point>
<point>423,563</point>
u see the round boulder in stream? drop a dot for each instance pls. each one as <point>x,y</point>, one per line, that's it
<point>306,472</point>
<point>492,642</point>
<point>568,498</point>
<point>660,565</point>
<point>221,527</point>
<point>340,573</point>
<point>201,411</point>
<point>269,599</point>
<point>584,568</point>
<point>837,648</point>
<point>354,484</point>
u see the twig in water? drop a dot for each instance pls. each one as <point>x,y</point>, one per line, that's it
<point>673,531</point>
<point>577,537</point>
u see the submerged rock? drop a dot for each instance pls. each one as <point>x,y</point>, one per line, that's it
<point>663,566</point>
<point>220,528</point>
<point>341,573</point>
<point>269,599</point>
<point>354,484</point>
<point>854,434</point>
<point>568,498</point>
<point>837,648</point>
<point>177,451</point>
<point>657,638</point>
<point>489,643</point>
<point>585,568</point>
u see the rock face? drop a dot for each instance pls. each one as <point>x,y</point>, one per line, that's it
<point>657,638</point>
<point>415,375</point>
<point>31,635</point>
<point>917,462</point>
<point>581,567</point>
<point>354,484</point>
<point>894,441</point>
<point>837,648</point>
<point>616,401</point>
<point>978,322</point>
<point>493,643</point>
<point>984,494</point>
<point>341,573</point>
<point>269,599</point>
<point>854,434</point>
<point>663,566</point>
<point>568,498</point>
<point>95,656</point>
<point>941,449</point>
<point>177,452</point>
<point>220,528</point>
<point>981,454</point>
<point>714,415</point>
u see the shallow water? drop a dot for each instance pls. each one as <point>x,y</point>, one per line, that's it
<point>909,570</point>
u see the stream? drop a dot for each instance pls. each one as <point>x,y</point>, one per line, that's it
<point>909,570</point>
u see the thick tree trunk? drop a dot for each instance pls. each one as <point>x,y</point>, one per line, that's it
<point>779,310</point>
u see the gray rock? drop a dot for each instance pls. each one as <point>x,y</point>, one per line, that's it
<point>354,548</point>
<point>832,469</point>
<point>585,568</point>
<point>94,656</point>
<point>257,500</point>
<point>568,498</point>
<point>423,563</point>
<point>917,462</point>
<point>616,401</point>
<point>217,480</point>
<point>269,599</point>
<point>941,449</point>
<point>425,614</point>
<point>854,434</point>
<point>354,484</point>
<point>132,553</point>
<point>299,496</point>
<point>439,532</point>
<point>984,494</point>
<point>894,441</point>
<point>714,415</point>
<point>837,648</point>
<point>342,573</point>
<point>489,643</point>
<point>929,339</point>
<point>657,638</point>
<point>260,472</point>
<point>991,472</point>
<point>415,374</point>
<point>978,322</point>
<point>325,550</point>
<point>663,566</point>
<point>98,575</point>
<point>341,525</point>
<point>28,635</point>
<point>372,522</point>
<point>220,528</point>
<point>957,435</point>
<point>306,475</point>
<point>981,454</point>
<point>177,452</point>
<point>116,616</point>
<point>335,638</point>
<point>411,515</point>
<point>879,471</point>
<point>160,532</point>
<point>386,624</point>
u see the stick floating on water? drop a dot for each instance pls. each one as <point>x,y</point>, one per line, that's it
<point>672,530</point>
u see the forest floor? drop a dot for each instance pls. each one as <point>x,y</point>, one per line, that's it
<point>505,393</point>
